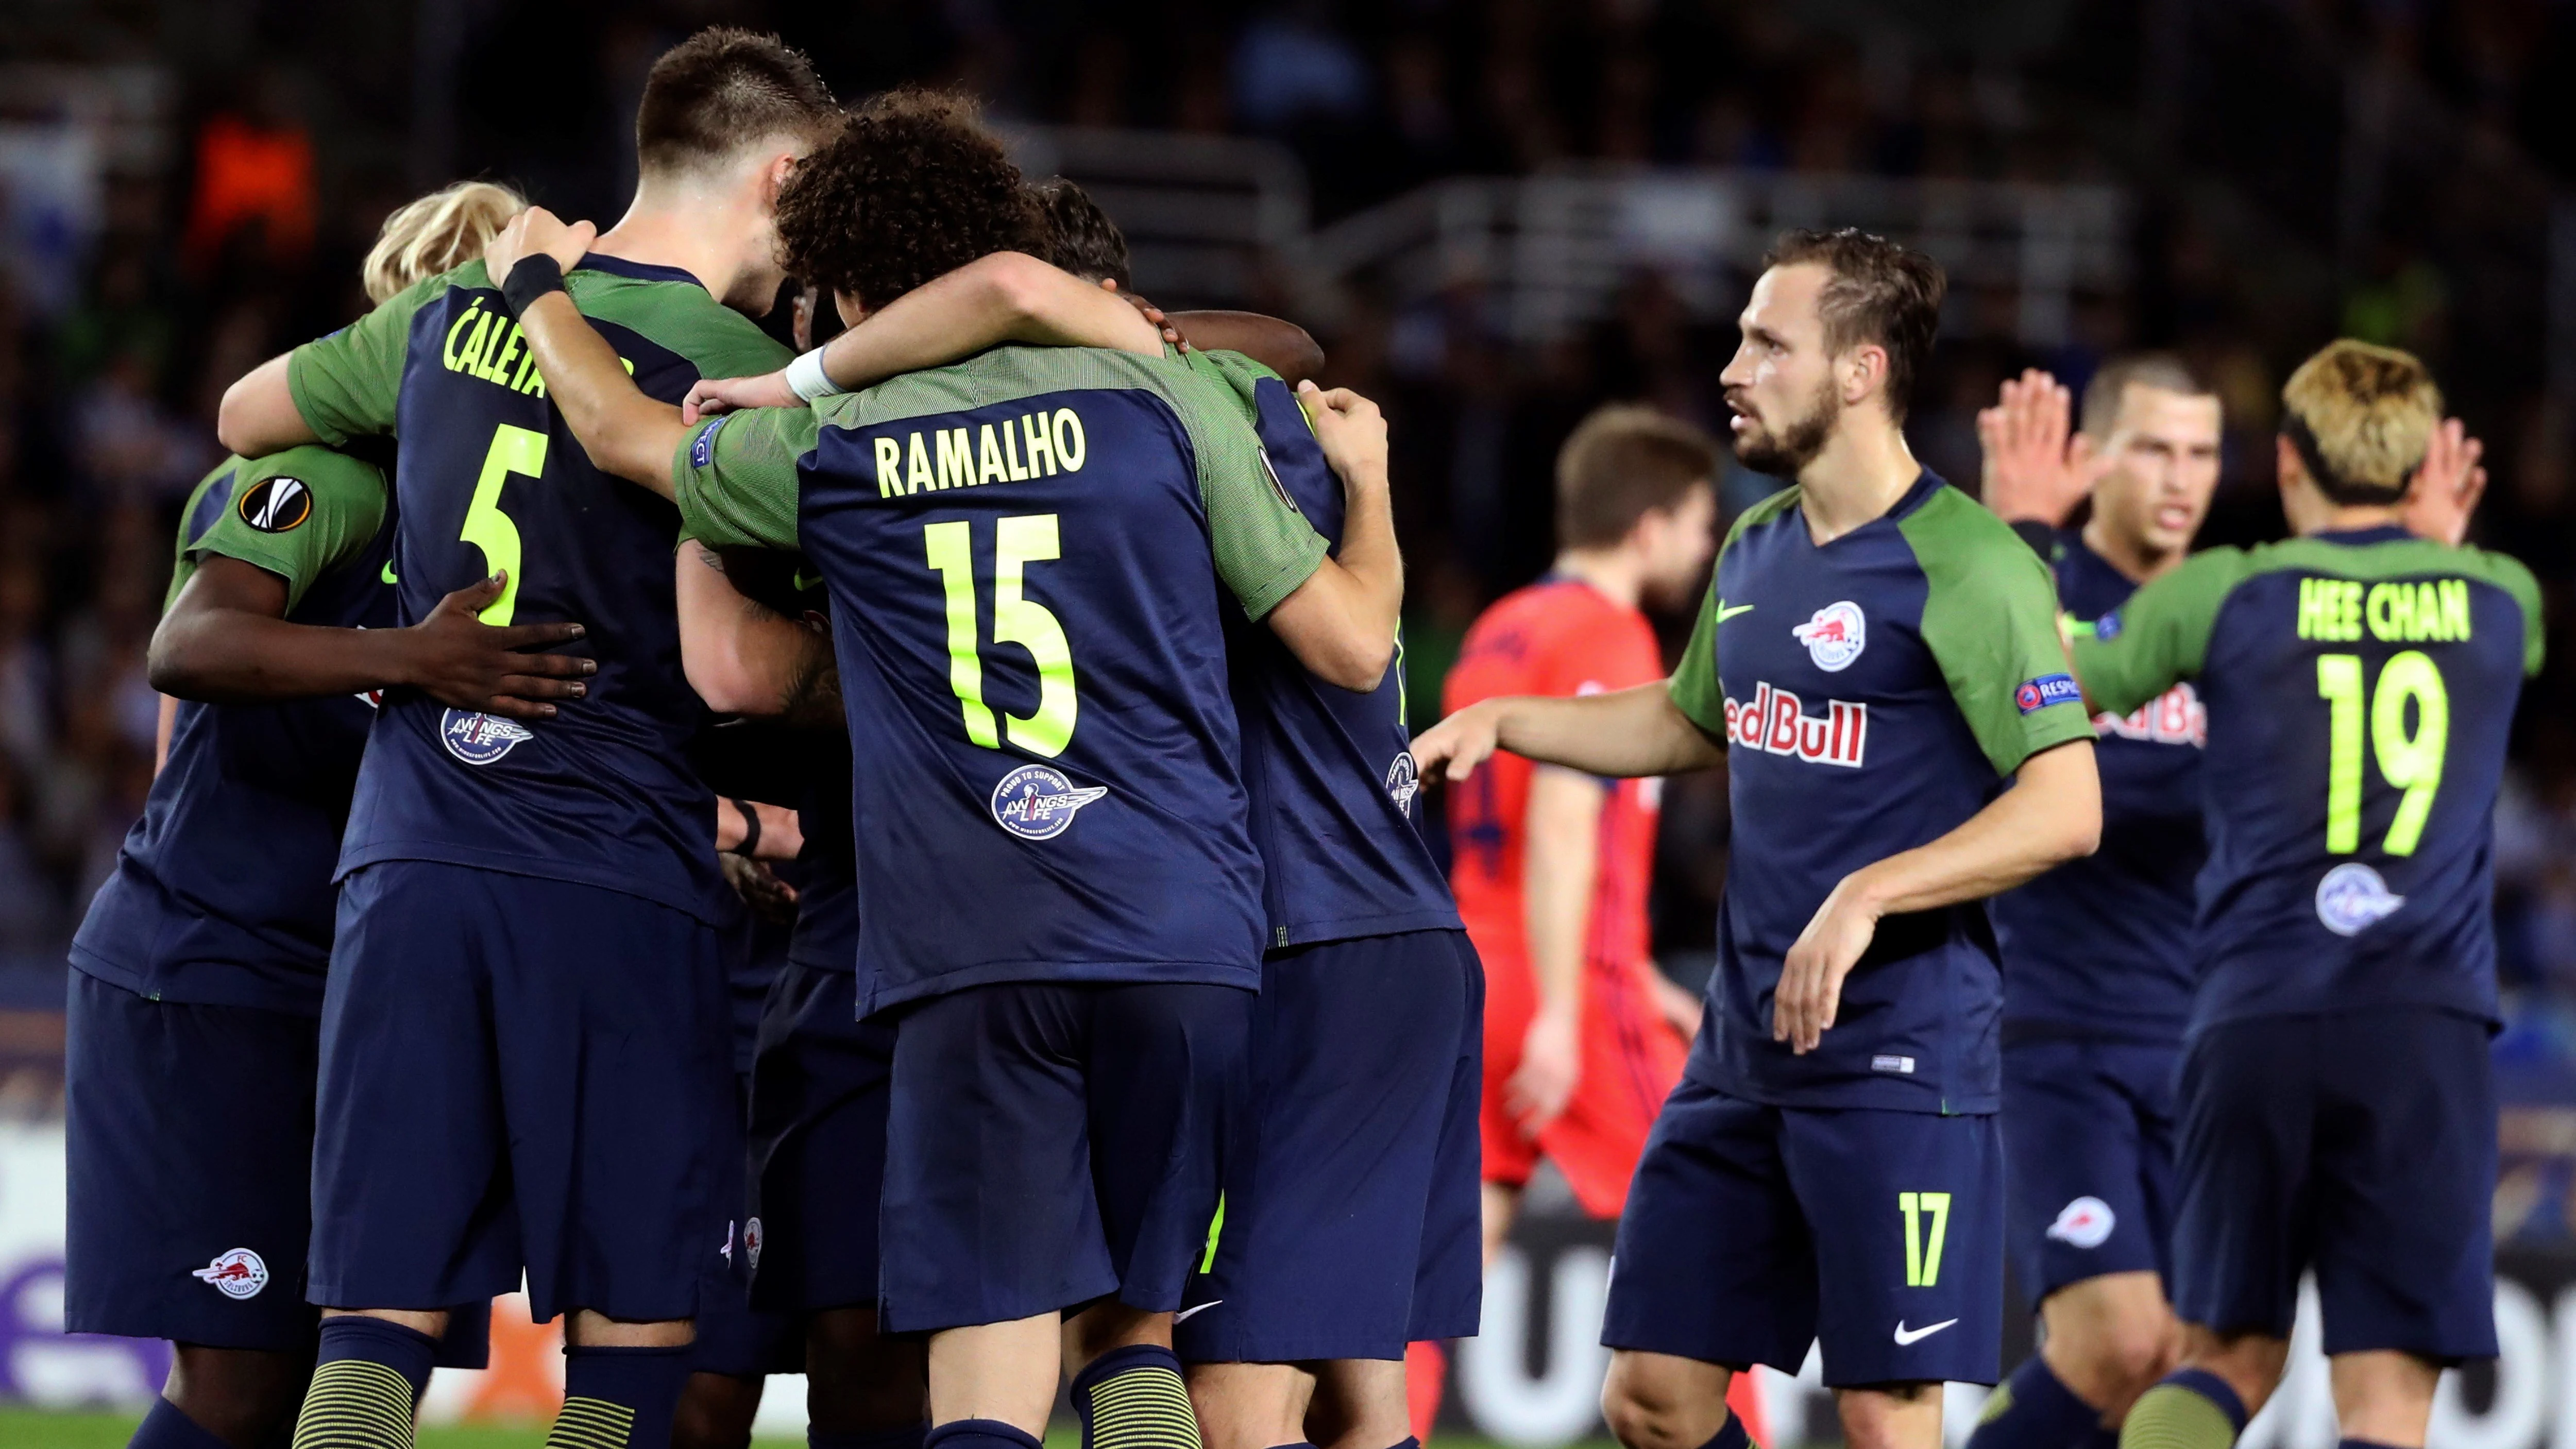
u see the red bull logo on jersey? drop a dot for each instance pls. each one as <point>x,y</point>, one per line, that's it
<point>2175,717</point>
<point>236,1274</point>
<point>1037,802</point>
<point>1776,723</point>
<point>1834,635</point>
<point>479,739</point>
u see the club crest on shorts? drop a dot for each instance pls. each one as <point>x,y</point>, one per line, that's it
<point>2352,898</point>
<point>751,1242</point>
<point>236,1273</point>
<point>1403,781</point>
<point>1834,635</point>
<point>1037,802</point>
<point>479,739</point>
<point>2084,1223</point>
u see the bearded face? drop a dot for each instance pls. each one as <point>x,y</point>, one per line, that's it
<point>1771,439</point>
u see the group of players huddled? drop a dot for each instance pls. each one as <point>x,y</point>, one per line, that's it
<point>900,864</point>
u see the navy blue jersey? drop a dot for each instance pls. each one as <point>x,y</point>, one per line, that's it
<point>1875,692</point>
<point>1329,771</point>
<point>2360,687</point>
<point>490,478</point>
<point>1028,553</point>
<point>222,893</point>
<point>2103,946</point>
<point>826,873</point>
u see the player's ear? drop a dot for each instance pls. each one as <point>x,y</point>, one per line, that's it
<point>1864,371</point>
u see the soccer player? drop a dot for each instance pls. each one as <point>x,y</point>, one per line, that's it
<point>1059,888</point>
<point>2338,1111</point>
<point>1552,865</point>
<point>527,973</point>
<point>196,987</point>
<point>1881,654</point>
<point>2098,953</point>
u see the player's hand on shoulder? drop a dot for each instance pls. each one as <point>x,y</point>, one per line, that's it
<point>460,661</point>
<point>2448,485</point>
<point>2035,465</point>
<point>710,396</point>
<point>533,231</point>
<point>1810,993</point>
<point>1461,742</point>
<point>1351,431</point>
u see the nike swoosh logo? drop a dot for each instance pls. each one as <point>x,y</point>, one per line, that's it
<point>1184,1315</point>
<point>1724,613</point>
<point>1906,1336</point>
<point>804,581</point>
<point>388,573</point>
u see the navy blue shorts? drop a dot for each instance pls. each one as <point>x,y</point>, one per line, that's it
<point>2088,1156</point>
<point>818,1142</point>
<point>734,1337</point>
<point>189,1197</point>
<point>1753,1231</point>
<point>2359,1144</point>
<point>519,1071</point>
<point>1048,1145</point>
<point>1351,1204</point>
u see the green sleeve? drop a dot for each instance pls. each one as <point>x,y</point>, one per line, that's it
<point>2511,576</point>
<point>298,514</point>
<point>1697,691</point>
<point>717,340</point>
<point>1990,620</point>
<point>736,476</point>
<point>1265,549</point>
<point>345,385</point>
<point>2161,635</point>
<point>181,565</point>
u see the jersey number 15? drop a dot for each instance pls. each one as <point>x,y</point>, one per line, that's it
<point>1017,619</point>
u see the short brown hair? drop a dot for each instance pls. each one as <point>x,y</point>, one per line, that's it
<point>722,89</point>
<point>2361,417</point>
<point>1081,237</point>
<point>437,233</point>
<point>1878,292</point>
<point>1623,462</point>
<point>2110,386</point>
<point>911,188</point>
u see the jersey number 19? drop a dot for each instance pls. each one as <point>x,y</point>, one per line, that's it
<point>2410,760</point>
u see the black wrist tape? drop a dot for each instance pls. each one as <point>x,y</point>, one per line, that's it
<point>750,812</point>
<point>533,277</point>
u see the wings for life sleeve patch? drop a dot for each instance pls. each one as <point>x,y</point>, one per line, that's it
<point>277,505</point>
<point>2035,695</point>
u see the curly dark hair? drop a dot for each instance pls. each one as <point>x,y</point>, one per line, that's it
<point>913,186</point>
<point>1082,238</point>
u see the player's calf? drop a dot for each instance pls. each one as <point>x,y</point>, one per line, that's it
<point>2204,1404</point>
<point>232,1397</point>
<point>864,1390</point>
<point>2111,1337</point>
<point>2384,1397</point>
<point>1664,1401</point>
<point>715,1411</point>
<point>1890,1416</point>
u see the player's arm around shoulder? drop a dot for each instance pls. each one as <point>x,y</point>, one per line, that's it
<point>741,656</point>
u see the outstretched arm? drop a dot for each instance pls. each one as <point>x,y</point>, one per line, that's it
<point>623,431</point>
<point>1629,732</point>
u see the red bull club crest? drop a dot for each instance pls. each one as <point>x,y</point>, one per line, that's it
<point>479,739</point>
<point>1834,635</point>
<point>1037,802</point>
<point>1777,724</point>
<point>237,1273</point>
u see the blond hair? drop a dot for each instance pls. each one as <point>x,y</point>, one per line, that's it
<point>2361,417</point>
<point>440,232</point>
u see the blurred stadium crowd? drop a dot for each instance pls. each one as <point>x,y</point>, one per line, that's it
<point>2389,169</point>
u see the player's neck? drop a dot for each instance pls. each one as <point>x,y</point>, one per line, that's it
<point>1611,572</point>
<point>670,225</point>
<point>1864,469</point>
<point>2134,558</point>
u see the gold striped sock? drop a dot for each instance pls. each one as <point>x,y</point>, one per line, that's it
<point>588,1423</point>
<point>1998,1404</point>
<point>1143,1408</point>
<point>2168,1416</point>
<point>354,1404</point>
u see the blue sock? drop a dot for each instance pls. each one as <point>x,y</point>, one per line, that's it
<point>1409,1442</point>
<point>2034,1409</point>
<point>2104,1436</point>
<point>1731,1436</point>
<point>2361,1444</point>
<point>169,1427</point>
<point>907,1437</point>
<point>978,1434</point>
<point>2187,1409</point>
<point>619,1398</point>
<point>368,1374</point>
<point>1134,1396</point>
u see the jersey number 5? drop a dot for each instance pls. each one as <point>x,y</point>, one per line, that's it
<point>1017,543</point>
<point>2410,760</point>
<point>513,450</point>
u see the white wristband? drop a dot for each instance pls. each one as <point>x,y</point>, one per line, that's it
<point>810,381</point>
